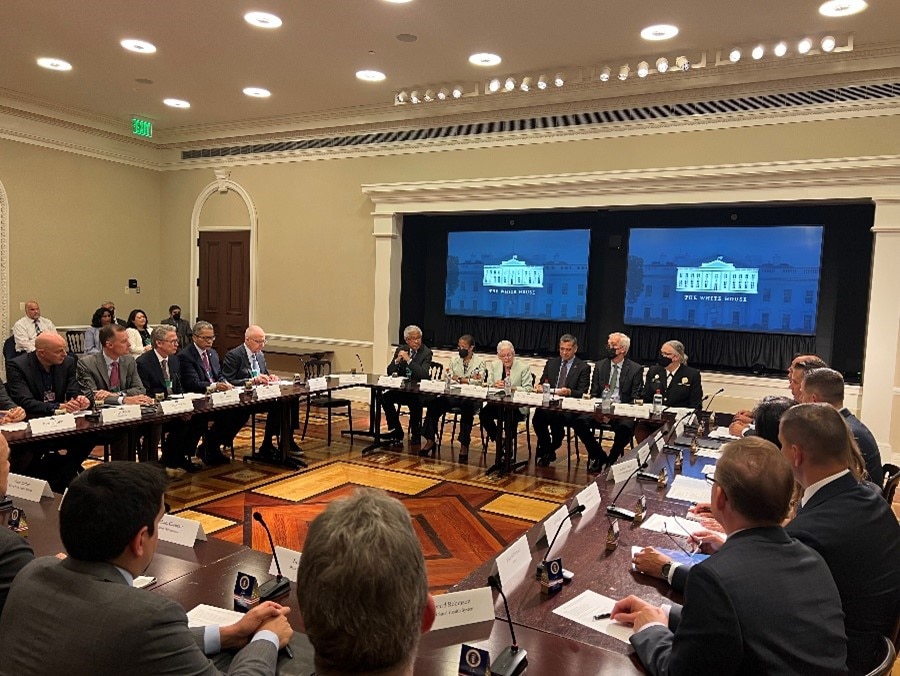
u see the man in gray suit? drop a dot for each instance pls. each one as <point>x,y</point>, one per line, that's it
<point>82,617</point>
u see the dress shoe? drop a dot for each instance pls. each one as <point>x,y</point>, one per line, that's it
<point>268,451</point>
<point>415,440</point>
<point>427,449</point>
<point>212,456</point>
<point>542,461</point>
<point>393,436</point>
<point>594,466</point>
<point>463,453</point>
<point>294,449</point>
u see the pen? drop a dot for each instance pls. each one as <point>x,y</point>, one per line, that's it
<point>602,616</point>
<point>289,652</point>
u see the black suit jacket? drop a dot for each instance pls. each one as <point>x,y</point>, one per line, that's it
<point>686,390</point>
<point>151,374</point>
<point>193,374</point>
<point>857,534</point>
<point>419,367</point>
<point>26,388</point>
<point>578,379</point>
<point>236,367</point>
<point>631,379</point>
<point>15,553</point>
<point>867,446</point>
<point>764,604</point>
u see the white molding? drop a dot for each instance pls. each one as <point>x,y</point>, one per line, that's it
<point>315,340</point>
<point>4,261</point>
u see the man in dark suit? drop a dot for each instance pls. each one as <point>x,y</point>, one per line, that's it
<point>201,373</point>
<point>42,382</point>
<point>182,326</point>
<point>15,552</point>
<point>247,364</point>
<point>827,385</point>
<point>764,604</point>
<point>567,376</point>
<point>413,361</point>
<point>161,374</point>
<point>625,380</point>
<point>678,383</point>
<point>81,615</point>
<point>851,526</point>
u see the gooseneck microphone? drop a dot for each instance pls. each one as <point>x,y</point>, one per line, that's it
<point>279,585</point>
<point>709,403</point>
<point>361,367</point>
<point>619,512</point>
<point>540,567</point>
<point>513,660</point>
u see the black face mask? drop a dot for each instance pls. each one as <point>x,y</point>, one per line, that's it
<point>663,361</point>
<point>463,353</point>
<point>176,315</point>
<point>611,352</point>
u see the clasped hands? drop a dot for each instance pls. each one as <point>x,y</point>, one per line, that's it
<point>268,615</point>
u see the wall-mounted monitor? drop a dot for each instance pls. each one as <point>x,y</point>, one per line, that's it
<point>742,278</point>
<point>520,274</point>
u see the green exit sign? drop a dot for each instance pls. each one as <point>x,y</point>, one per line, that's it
<point>141,127</point>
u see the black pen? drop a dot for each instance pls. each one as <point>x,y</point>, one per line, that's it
<point>602,616</point>
<point>289,652</point>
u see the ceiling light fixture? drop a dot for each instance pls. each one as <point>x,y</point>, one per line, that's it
<point>828,44</point>
<point>139,46</point>
<point>662,64</point>
<point>804,45</point>
<point>257,92</point>
<point>443,94</point>
<point>526,84</point>
<point>780,49</point>
<point>734,55</point>
<point>370,75</point>
<point>494,85</point>
<point>176,103</point>
<point>559,80</point>
<point>458,91</point>
<point>414,97</point>
<point>623,72</point>
<point>643,69</point>
<point>402,97</point>
<point>542,82</point>
<point>758,52</point>
<point>682,63</point>
<point>659,32</point>
<point>484,59</point>
<point>510,84</point>
<point>262,19</point>
<point>605,74</point>
<point>842,7</point>
<point>429,95</point>
<point>53,64</point>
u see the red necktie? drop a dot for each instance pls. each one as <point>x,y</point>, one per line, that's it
<point>114,375</point>
<point>205,359</point>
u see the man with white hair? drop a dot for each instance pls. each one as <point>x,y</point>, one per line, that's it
<point>411,360</point>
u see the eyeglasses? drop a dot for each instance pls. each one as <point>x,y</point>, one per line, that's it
<point>207,338</point>
<point>174,341</point>
<point>687,553</point>
<point>710,480</point>
<point>258,341</point>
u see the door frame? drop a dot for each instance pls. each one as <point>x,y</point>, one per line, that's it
<point>222,184</point>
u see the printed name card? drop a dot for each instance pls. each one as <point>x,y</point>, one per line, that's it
<point>271,391</point>
<point>226,397</point>
<point>390,381</point>
<point>573,404</point>
<point>528,398</point>
<point>621,470</point>
<point>641,412</point>
<point>180,531</point>
<point>435,386</point>
<point>175,406</point>
<point>120,414</point>
<point>28,488</point>
<point>590,496</point>
<point>457,609</point>
<point>553,522</point>
<point>54,423</point>
<point>513,561</point>
<point>317,384</point>
<point>289,560</point>
<point>353,378</point>
<point>468,390</point>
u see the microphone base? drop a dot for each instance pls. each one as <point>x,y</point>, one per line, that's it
<point>511,662</point>
<point>274,588</point>
<point>620,513</point>
<point>647,476</point>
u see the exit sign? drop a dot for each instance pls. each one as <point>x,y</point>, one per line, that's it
<point>141,127</point>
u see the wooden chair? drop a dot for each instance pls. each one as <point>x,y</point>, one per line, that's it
<point>884,669</point>
<point>317,368</point>
<point>75,342</point>
<point>891,479</point>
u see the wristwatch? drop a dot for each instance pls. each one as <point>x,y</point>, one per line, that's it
<point>666,569</point>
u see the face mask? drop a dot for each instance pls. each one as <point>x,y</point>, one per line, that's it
<point>463,353</point>
<point>663,361</point>
<point>176,315</point>
<point>611,352</point>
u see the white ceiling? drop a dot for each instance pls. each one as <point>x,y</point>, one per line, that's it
<point>207,53</point>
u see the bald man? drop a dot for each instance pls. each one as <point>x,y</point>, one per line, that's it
<point>30,327</point>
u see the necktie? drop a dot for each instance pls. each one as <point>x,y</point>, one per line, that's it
<point>614,378</point>
<point>412,355</point>
<point>205,359</point>
<point>114,375</point>
<point>563,374</point>
<point>37,328</point>
<point>668,379</point>
<point>254,365</point>
<point>167,379</point>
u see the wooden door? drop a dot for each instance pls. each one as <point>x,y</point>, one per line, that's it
<point>224,285</point>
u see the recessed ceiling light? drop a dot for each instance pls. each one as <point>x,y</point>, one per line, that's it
<point>780,49</point>
<point>257,92</point>
<point>370,75</point>
<point>54,64</point>
<point>660,31</point>
<point>494,85</point>
<point>407,37</point>
<point>842,7</point>
<point>804,45</point>
<point>828,43</point>
<point>398,2</point>
<point>457,91</point>
<point>758,52</point>
<point>262,19</point>
<point>484,59</point>
<point>735,55</point>
<point>139,46</point>
<point>176,103</point>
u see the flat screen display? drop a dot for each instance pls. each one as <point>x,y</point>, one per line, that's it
<point>520,274</point>
<point>749,278</point>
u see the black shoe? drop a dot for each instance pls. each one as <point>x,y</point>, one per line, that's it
<point>415,440</point>
<point>542,461</point>
<point>428,449</point>
<point>393,436</point>
<point>294,449</point>
<point>595,466</point>
<point>212,456</point>
<point>463,458</point>
<point>268,450</point>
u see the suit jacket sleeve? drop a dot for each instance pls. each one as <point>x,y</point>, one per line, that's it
<point>696,397</point>
<point>191,370</point>
<point>15,553</point>
<point>582,380</point>
<point>130,378</point>
<point>680,578</point>
<point>636,384</point>
<point>597,377</point>
<point>653,385</point>
<point>420,366</point>
<point>232,367</point>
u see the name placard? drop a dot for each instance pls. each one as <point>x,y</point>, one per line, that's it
<point>389,381</point>
<point>54,423</point>
<point>552,522</point>
<point>28,488</point>
<point>473,391</point>
<point>641,412</point>
<point>175,406</point>
<point>434,386</point>
<point>272,391</point>
<point>528,398</point>
<point>317,384</point>
<point>621,470</point>
<point>589,496</point>
<point>573,404</point>
<point>512,562</point>
<point>180,531</point>
<point>457,609</point>
<point>226,397</point>
<point>289,560</point>
<point>120,414</point>
<point>353,378</point>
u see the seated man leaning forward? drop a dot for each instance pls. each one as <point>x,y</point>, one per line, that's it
<point>764,604</point>
<point>362,587</point>
<point>82,617</point>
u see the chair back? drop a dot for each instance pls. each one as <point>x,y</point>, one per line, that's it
<point>436,371</point>
<point>887,663</point>
<point>75,341</point>
<point>891,479</point>
<point>316,368</point>
<point>9,349</point>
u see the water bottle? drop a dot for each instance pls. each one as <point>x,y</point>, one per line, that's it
<point>657,403</point>
<point>507,386</point>
<point>545,398</point>
<point>606,400</point>
<point>447,380</point>
<point>615,400</point>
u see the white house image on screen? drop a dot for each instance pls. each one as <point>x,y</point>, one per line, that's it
<point>514,273</point>
<point>717,275</point>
